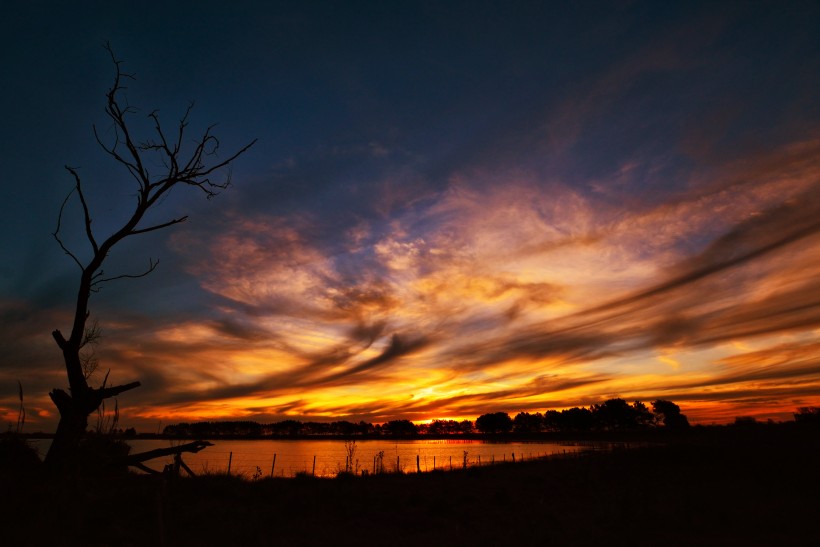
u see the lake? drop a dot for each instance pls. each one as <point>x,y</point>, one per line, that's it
<point>255,458</point>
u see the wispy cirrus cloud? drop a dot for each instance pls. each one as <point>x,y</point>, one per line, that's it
<point>468,304</point>
<point>500,286</point>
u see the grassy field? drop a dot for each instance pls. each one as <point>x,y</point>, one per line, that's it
<point>732,487</point>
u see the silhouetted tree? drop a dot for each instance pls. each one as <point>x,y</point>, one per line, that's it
<point>669,414</point>
<point>344,427</point>
<point>286,427</point>
<point>576,419</point>
<point>399,428</point>
<point>618,415</point>
<point>612,414</point>
<point>494,423</point>
<point>443,427</point>
<point>317,428</point>
<point>244,428</point>
<point>181,164</point>
<point>643,416</point>
<point>553,420</point>
<point>524,422</point>
<point>364,428</point>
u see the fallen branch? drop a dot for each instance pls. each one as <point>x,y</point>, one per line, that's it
<point>178,462</point>
<point>135,460</point>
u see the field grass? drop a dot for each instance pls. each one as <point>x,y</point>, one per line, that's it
<point>755,487</point>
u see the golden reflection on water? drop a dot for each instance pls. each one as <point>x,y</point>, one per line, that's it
<point>256,458</point>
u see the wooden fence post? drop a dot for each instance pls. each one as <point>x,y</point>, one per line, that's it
<point>230,460</point>
<point>272,466</point>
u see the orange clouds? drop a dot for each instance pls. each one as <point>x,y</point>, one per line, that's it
<point>518,296</point>
<point>472,305</point>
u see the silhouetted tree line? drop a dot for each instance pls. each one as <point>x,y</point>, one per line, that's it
<point>447,427</point>
<point>611,415</point>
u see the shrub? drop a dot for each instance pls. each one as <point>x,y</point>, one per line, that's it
<point>17,455</point>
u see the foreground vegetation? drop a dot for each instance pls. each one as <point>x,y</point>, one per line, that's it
<point>709,486</point>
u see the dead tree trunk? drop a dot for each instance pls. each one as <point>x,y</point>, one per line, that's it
<point>186,165</point>
<point>75,408</point>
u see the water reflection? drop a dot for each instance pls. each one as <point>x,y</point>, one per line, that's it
<point>327,458</point>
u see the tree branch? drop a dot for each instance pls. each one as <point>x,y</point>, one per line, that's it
<point>86,214</point>
<point>145,468</point>
<point>113,391</point>
<point>152,265</point>
<point>112,151</point>
<point>56,232</point>
<point>159,226</point>
<point>59,338</point>
<point>192,447</point>
<point>222,164</point>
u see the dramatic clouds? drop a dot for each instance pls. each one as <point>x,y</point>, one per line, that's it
<point>541,212</point>
<point>520,297</point>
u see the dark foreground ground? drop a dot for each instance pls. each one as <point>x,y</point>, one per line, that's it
<point>734,488</point>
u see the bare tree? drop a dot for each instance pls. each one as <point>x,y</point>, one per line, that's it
<point>183,164</point>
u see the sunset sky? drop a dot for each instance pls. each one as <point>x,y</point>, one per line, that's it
<point>452,208</point>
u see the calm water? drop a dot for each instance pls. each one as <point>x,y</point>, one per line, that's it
<point>256,458</point>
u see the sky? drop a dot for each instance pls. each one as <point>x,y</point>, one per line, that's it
<point>452,208</point>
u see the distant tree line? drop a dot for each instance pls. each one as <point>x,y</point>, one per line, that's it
<point>611,415</point>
